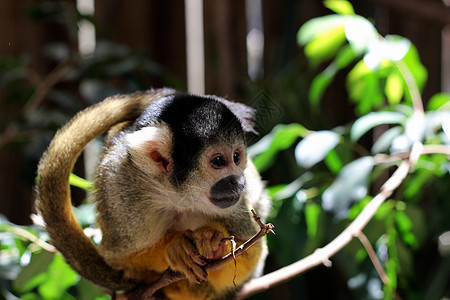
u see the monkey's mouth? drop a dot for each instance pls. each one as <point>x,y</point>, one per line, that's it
<point>225,202</point>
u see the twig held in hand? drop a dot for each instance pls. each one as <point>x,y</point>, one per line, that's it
<point>169,276</point>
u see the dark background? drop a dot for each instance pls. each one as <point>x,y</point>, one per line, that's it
<point>152,33</point>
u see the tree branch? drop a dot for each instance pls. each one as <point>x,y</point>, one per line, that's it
<point>427,149</point>
<point>169,276</point>
<point>322,255</point>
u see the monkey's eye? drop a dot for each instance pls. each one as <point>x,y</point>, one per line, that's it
<point>236,158</point>
<point>218,161</point>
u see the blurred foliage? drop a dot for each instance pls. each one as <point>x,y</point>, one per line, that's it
<point>30,269</point>
<point>339,171</point>
<point>331,173</point>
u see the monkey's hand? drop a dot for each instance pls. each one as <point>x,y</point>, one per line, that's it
<point>209,242</point>
<point>194,249</point>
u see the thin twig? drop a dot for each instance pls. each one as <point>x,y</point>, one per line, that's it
<point>31,237</point>
<point>373,257</point>
<point>169,276</point>
<point>427,149</point>
<point>411,83</point>
<point>375,261</point>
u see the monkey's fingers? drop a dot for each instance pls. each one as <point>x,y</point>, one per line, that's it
<point>191,250</point>
<point>208,242</point>
<point>183,257</point>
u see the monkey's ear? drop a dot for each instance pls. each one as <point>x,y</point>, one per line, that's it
<point>150,148</point>
<point>244,113</point>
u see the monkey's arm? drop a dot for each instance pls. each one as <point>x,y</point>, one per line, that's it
<point>186,252</point>
<point>54,202</point>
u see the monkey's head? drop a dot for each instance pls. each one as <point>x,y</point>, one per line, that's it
<point>195,146</point>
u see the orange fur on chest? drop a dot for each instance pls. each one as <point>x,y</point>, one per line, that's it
<point>147,265</point>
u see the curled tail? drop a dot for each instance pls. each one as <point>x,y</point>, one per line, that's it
<point>54,201</point>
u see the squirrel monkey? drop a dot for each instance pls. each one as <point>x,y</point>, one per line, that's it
<point>173,181</point>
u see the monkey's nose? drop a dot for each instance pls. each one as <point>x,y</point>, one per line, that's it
<point>227,191</point>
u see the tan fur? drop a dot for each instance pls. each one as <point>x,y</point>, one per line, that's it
<point>147,224</point>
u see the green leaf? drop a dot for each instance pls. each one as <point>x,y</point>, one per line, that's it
<point>32,274</point>
<point>34,282</point>
<point>394,88</point>
<point>322,37</point>
<point>367,122</point>
<point>404,225</point>
<point>278,137</point>
<point>333,161</point>
<point>88,291</point>
<point>343,58</point>
<point>426,168</point>
<point>312,212</point>
<point>317,26</point>
<point>439,101</point>
<point>313,148</point>
<point>281,137</point>
<point>406,261</point>
<point>320,84</point>
<point>80,182</point>
<point>350,185</point>
<point>20,246</point>
<point>103,297</point>
<point>385,209</point>
<point>325,45</point>
<point>30,296</point>
<point>341,7</point>
<point>363,85</point>
<point>373,94</point>
<point>417,183</point>
<point>60,278</point>
<point>355,79</point>
<point>419,222</point>
<point>273,190</point>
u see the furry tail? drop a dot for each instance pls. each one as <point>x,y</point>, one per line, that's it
<point>54,201</point>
